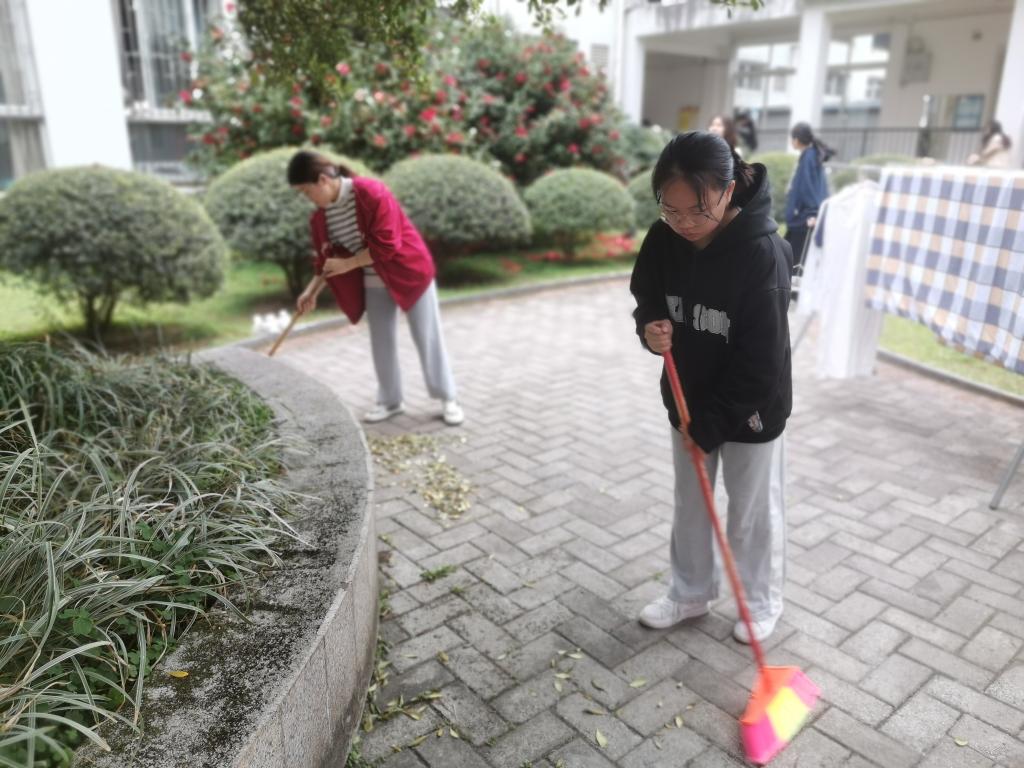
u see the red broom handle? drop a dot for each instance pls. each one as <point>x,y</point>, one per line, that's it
<point>709,500</point>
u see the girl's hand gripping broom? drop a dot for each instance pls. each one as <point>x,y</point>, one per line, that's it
<point>782,696</point>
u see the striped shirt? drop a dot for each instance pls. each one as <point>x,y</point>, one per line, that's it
<point>343,229</point>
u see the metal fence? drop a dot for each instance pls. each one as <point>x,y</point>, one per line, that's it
<point>944,145</point>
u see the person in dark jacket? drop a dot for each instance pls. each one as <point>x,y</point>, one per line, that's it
<point>712,284</point>
<point>807,190</point>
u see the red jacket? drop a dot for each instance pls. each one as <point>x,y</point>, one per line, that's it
<point>400,256</point>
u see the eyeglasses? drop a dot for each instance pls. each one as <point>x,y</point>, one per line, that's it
<point>684,219</point>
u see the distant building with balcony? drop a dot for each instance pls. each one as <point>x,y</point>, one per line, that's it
<point>912,77</point>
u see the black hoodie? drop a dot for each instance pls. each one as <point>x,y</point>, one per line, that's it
<point>730,329</point>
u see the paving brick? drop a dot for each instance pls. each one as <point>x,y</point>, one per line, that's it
<point>594,641</point>
<point>526,700</point>
<point>948,754</point>
<point>812,747</point>
<point>855,611</point>
<point>621,738</point>
<point>591,580</point>
<point>422,647</point>
<point>827,657</point>
<point>530,741</point>
<point>1009,687</point>
<point>484,635</point>
<point>986,708</point>
<point>921,722</point>
<point>874,643</point>
<point>947,663</point>
<point>535,623</point>
<point>478,672</point>
<point>579,753</point>
<point>473,719</point>
<point>667,749</point>
<point>991,648</point>
<point>864,739</point>
<point>990,742</point>
<point>655,708</point>
<point>660,661</point>
<point>433,615</point>
<point>964,615</point>
<point>850,698</point>
<point>896,679</point>
<point>495,574</point>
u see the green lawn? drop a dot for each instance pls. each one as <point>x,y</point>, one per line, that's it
<point>913,340</point>
<point>256,288</point>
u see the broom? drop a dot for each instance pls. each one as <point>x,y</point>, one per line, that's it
<point>782,696</point>
<point>284,333</point>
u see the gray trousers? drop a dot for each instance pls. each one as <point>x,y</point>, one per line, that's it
<point>425,325</point>
<point>754,477</point>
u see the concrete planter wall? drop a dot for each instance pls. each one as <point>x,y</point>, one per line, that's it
<point>284,689</point>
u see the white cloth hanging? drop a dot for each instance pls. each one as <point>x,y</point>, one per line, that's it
<point>832,286</point>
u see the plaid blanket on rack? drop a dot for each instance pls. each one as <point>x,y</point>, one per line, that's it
<point>947,251</point>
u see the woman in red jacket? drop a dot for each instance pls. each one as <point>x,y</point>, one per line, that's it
<point>374,259</point>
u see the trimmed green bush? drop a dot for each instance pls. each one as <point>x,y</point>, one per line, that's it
<point>847,176</point>
<point>262,218</point>
<point>781,166</point>
<point>457,272</point>
<point>97,236</point>
<point>642,145</point>
<point>459,205</point>
<point>645,207</point>
<point>570,206</point>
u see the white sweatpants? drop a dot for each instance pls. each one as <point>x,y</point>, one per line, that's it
<point>425,325</point>
<point>754,477</point>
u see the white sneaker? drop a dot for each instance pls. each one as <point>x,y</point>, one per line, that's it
<point>452,413</point>
<point>382,412</point>
<point>762,629</point>
<point>664,612</point>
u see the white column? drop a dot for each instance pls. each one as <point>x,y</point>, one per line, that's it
<point>809,82</point>
<point>76,55</point>
<point>1010,103</point>
<point>630,83</point>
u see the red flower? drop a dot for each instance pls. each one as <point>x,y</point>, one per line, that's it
<point>343,68</point>
<point>450,81</point>
<point>185,96</point>
<point>256,109</point>
<point>565,85</point>
<point>584,123</point>
<point>440,96</point>
<point>325,121</point>
<point>315,138</point>
<point>510,266</point>
<point>454,138</point>
<point>229,7</point>
<point>584,72</point>
<point>520,157</point>
<point>296,113</point>
<point>405,86</point>
<point>186,56</point>
<point>410,130</point>
<point>428,114</point>
<point>209,138</point>
<point>485,121</point>
<point>378,96</point>
<point>381,69</point>
<point>573,149</point>
<point>295,101</point>
<point>520,78</point>
<point>456,113</point>
<point>614,135</point>
<point>500,77</point>
<point>521,131</point>
<point>488,98</point>
<point>297,129</point>
<point>379,141</point>
<point>483,63</point>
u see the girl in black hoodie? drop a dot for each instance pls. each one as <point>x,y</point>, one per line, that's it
<point>712,284</point>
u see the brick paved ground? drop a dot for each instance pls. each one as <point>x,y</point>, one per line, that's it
<point>904,595</point>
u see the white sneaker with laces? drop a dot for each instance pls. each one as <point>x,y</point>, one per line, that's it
<point>763,629</point>
<point>452,413</point>
<point>664,612</point>
<point>381,412</point>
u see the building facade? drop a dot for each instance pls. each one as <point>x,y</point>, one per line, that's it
<point>908,77</point>
<point>97,81</point>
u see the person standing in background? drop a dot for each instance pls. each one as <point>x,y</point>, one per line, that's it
<point>807,190</point>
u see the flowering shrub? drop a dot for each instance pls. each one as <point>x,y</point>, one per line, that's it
<point>524,104</point>
<point>645,206</point>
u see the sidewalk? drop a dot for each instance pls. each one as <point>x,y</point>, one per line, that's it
<point>904,595</point>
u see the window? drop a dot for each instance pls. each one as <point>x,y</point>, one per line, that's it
<point>21,142</point>
<point>873,91</point>
<point>968,111</point>
<point>762,88</point>
<point>835,84</point>
<point>153,35</point>
<point>599,56</point>
<point>748,75</point>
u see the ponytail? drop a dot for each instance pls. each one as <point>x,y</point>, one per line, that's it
<point>802,132</point>
<point>743,175</point>
<point>307,167</point>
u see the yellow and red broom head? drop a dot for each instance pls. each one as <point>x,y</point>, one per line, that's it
<point>779,705</point>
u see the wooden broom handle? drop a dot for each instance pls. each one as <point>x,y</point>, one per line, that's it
<point>284,333</point>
